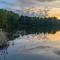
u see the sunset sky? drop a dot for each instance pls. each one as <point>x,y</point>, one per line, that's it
<point>54,5</point>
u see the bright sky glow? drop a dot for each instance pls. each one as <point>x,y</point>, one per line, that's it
<point>21,4</point>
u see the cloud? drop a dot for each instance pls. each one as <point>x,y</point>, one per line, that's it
<point>57,52</point>
<point>50,3</point>
<point>26,1</point>
<point>21,4</point>
<point>29,3</point>
<point>46,0</point>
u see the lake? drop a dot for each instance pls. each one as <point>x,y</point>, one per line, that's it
<point>41,46</point>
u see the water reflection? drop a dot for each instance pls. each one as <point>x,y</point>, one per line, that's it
<point>44,44</point>
<point>3,52</point>
<point>41,40</point>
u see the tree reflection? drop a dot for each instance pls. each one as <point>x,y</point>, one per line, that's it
<point>3,52</point>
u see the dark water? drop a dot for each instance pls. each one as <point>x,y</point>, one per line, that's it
<point>41,46</point>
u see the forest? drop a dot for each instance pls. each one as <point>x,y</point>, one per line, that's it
<point>12,22</point>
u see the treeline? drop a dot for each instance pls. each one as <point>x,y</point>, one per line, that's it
<point>11,22</point>
<point>36,24</point>
<point>8,20</point>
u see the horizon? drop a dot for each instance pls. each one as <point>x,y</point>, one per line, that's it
<point>19,5</point>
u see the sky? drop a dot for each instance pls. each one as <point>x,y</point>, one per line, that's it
<point>54,5</point>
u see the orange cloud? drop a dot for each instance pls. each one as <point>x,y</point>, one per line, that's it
<point>54,12</point>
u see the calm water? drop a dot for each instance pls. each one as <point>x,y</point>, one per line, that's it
<point>33,47</point>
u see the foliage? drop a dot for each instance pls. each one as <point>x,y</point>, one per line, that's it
<point>8,20</point>
<point>11,22</point>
